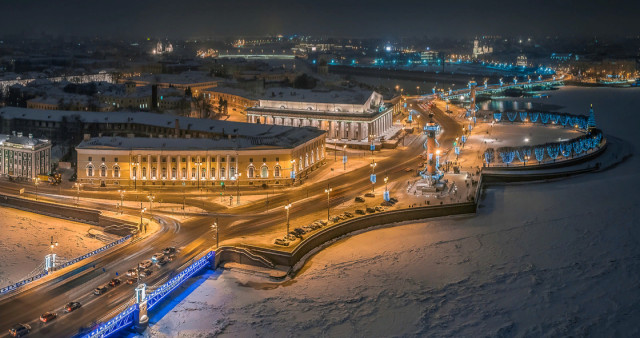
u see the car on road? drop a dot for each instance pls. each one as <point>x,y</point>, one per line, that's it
<point>162,261</point>
<point>115,282</point>
<point>371,210</point>
<point>393,200</point>
<point>19,330</point>
<point>146,273</point>
<point>72,306</point>
<point>280,241</point>
<point>348,214</point>
<point>100,290</point>
<point>360,212</point>
<point>359,199</point>
<point>48,316</point>
<point>131,281</point>
<point>145,264</point>
<point>157,256</point>
<point>408,170</point>
<point>132,272</point>
<point>369,194</point>
<point>168,251</point>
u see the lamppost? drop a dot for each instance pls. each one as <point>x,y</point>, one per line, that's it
<point>292,173</point>
<point>36,181</point>
<point>142,210</point>
<point>198,165</point>
<point>134,165</point>
<point>238,187</point>
<point>373,180</point>
<point>151,197</point>
<point>371,137</point>
<point>386,190</point>
<point>344,156</point>
<point>121,200</point>
<point>77,186</point>
<point>286,208</point>
<point>214,226</point>
<point>328,191</point>
<point>53,244</point>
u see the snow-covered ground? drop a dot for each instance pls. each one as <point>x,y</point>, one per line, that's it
<point>26,238</point>
<point>555,259</point>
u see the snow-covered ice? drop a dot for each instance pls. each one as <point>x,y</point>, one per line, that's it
<point>26,239</point>
<point>549,259</point>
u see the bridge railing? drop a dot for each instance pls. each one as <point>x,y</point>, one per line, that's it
<point>126,319</point>
<point>29,280</point>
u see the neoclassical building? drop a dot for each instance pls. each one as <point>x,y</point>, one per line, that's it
<point>24,156</point>
<point>354,115</point>
<point>138,161</point>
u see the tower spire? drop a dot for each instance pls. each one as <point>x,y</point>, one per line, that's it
<point>591,122</point>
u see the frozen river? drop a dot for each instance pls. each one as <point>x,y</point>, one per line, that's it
<point>556,259</point>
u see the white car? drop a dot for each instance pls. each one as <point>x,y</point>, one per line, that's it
<point>156,257</point>
<point>145,264</point>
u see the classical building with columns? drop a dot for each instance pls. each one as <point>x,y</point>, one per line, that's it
<point>24,156</point>
<point>205,162</point>
<point>354,115</point>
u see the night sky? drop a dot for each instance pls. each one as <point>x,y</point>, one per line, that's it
<point>372,18</point>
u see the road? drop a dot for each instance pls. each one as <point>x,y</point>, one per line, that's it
<point>191,238</point>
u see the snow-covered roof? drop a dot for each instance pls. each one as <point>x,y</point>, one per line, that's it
<point>231,91</point>
<point>163,143</point>
<point>190,77</point>
<point>346,96</point>
<point>282,136</point>
<point>19,139</point>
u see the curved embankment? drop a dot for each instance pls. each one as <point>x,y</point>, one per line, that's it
<point>264,257</point>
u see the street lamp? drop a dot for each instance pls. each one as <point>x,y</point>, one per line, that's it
<point>214,226</point>
<point>373,168</point>
<point>292,172</point>
<point>328,191</point>
<point>134,165</point>
<point>53,244</point>
<point>121,200</point>
<point>238,187</point>
<point>142,210</point>
<point>36,181</point>
<point>344,158</point>
<point>286,208</point>
<point>198,165</point>
<point>151,197</point>
<point>77,186</point>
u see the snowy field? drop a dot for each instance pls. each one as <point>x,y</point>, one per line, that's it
<point>548,259</point>
<point>26,238</point>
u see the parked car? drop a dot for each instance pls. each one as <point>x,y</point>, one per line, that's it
<point>292,236</point>
<point>371,210</point>
<point>369,194</point>
<point>386,204</point>
<point>359,199</point>
<point>299,231</point>
<point>378,208</point>
<point>146,273</point>
<point>157,256</point>
<point>72,306</point>
<point>19,330</point>
<point>100,290</point>
<point>168,251</point>
<point>335,219</point>
<point>360,212</point>
<point>393,200</point>
<point>131,281</point>
<point>115,282</point>
<point>132,273</point>
<point>280,241</point>
<point>348,214</point>
<point>145,264</point>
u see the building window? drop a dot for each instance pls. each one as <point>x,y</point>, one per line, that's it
<point>103,171</point>
<point>223,173</point>
<point>116,171</point>
<point>153,172</point>
<point>277,159</point>
<point>164,173</point>
<point>264,160</point>
<point>184,173</point>
<point>103,159</point>
<point>251,160</point>
<point>115,159</point>
<point>193,173</point>
<point>144,172</point>
<point>264,171</point>
<point>276,171</point>
<point>173,173</point>
<point>250,172</point>
<point>90,158</point>
<point>90,170</point>
<point>173,160</point>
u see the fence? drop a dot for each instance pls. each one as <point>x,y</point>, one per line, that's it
<point>21,283</point>
<point>128,317</point>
